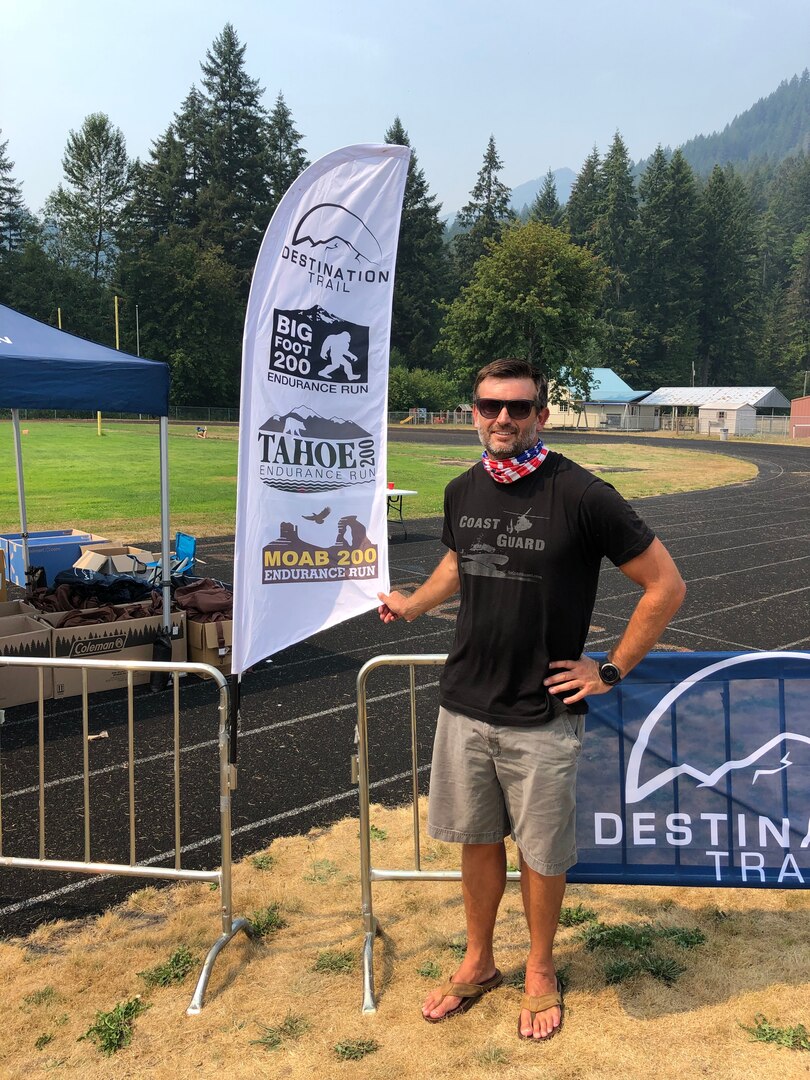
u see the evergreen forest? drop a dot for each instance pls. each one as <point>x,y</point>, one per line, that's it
<point>691,267</point>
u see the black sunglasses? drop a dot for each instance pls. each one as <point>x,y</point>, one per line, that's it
<point>518,408</point>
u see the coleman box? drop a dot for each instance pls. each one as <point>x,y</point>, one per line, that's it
<point>127,639</point>
<point>24,637</point>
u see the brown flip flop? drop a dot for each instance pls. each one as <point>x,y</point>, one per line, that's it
<point>539,1004</point>
<point>468,992</point>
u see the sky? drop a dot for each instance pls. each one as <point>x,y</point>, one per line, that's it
<point>548,79</point>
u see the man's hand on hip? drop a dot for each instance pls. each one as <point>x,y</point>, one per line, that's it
<point>577,678</point>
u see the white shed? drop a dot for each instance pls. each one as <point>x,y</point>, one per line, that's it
<point>715,408</point>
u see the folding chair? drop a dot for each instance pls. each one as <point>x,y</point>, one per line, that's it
<point>181,561</point>
<point>184,555</point>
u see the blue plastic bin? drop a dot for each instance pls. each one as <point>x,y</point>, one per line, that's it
<point>54,551</point>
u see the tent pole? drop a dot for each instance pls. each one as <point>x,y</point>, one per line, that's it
<point>15,419</point>
<point>165,548</point>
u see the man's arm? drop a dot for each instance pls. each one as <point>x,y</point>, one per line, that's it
<point>441,584</point>
<point>663,594</point>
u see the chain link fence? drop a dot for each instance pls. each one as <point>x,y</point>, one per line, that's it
<point>203,414</point>
<point>181,414</point>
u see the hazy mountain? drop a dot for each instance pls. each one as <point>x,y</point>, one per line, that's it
<point>525,194</point>
<point>776,127</point>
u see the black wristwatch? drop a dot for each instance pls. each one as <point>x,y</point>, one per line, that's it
<point>609,673</point>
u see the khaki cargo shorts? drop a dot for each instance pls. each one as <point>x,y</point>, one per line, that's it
<point>488,781</point>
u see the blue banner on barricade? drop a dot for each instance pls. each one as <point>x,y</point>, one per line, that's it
<point>696,771</point>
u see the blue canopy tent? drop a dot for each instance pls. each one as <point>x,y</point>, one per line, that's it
<point>41,367</point>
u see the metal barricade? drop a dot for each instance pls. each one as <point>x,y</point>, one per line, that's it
<point>368,873</point>
<point>220,878</point>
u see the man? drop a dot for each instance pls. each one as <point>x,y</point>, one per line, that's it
<point>526,530</point>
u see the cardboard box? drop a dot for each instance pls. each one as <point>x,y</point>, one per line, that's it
<point>17,607</point>
<point>91,560</point>
<point>54,550</point>
<point>113,559</point>
<point>127,639</point>
<point>204,646</point>
<point>23,636</point>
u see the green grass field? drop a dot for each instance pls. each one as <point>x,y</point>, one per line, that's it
<point>110,484</point>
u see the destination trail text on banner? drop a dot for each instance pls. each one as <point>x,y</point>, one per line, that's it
<point>311,542</point>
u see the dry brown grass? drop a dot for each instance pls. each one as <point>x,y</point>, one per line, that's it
<point>756,960</point>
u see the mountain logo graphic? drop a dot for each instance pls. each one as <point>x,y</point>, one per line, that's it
<point>708,777</point>
<point>313,343</point>
<point>291,558</point>
<point>334,228</point>
<point>302,451</point>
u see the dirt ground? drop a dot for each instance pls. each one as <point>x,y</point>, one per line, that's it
<point>289,1004</point>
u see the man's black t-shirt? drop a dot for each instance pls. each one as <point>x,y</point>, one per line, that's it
<point>528,558</point>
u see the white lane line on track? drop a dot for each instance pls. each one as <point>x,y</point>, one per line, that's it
<point>792,644</point>
<point>603,616</point>
<point>713,577</point>
<point>209,743</point>
<point>736,646</point>
<point>733,607</point>
<point>770,524</point>
<point>31,901</point>
<point>364,648</point>
<point>741,547</point>
<point>63,714</point>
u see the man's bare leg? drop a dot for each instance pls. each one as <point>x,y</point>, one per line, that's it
<point>483,879</point>
<point>542,900</point>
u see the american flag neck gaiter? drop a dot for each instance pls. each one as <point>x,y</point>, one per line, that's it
<point>507,470</point>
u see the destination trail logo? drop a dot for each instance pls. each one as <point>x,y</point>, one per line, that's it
<point>313,349</point>
<point>728,786</point>
<point>336,249</point>
<point>303,451</point>
<point>708,771</point>
<point>351,556</point>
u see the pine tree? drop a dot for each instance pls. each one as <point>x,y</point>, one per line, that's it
<point>422,273</point>
<point>796,362</point>
<point>13,212</point>
<point>665,277</point>
<point>585,201</point>
<point>286,157</point>
<point>484,217</point>
<point>684,275</point>
<point>193,131</point>
<point>235,196</point>
<point>603,215</point>
<point>546,206</point>
<point>728,264</point>
<point>191,314</point>
<point>614,223</point>
<point>202,203</point>
<point>783,222</point>
<point>166,187</point>
<point>86,213</point>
